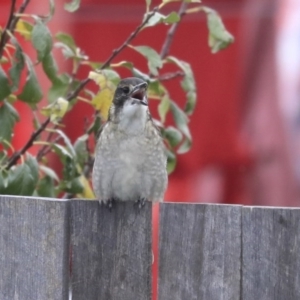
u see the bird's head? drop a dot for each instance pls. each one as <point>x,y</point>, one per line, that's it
<point>130,100</point>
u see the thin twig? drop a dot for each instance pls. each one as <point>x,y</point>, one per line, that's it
<point>5,36</point>
<point>171,32</point>
<point>115,52</point>
<point>16,156</point>
<point>47,148</point>
<point>169,76</point>
<point>11,23</point>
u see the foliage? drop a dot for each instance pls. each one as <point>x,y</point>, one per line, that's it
<point>24,174</point>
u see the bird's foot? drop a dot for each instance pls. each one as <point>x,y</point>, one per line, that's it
<point>141,202</point>
<point>108,203</point>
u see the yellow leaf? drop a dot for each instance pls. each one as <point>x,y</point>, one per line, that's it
<point>87,190</point>
<point>99,78</point>
<point>24,28</point>
<point>56,110</point>
<point>102,102</point>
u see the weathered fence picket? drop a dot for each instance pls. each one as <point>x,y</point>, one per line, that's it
<point>111,251</point>
<point>206,251</point>
<point>34,248</point>
<point>271,253</point>
<point>200,252</point>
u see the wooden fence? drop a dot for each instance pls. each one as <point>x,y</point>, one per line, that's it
<point>206,252</point>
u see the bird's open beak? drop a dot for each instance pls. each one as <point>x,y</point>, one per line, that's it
<point>139,93</point>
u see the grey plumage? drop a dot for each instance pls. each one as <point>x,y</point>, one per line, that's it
<point>130,163</point>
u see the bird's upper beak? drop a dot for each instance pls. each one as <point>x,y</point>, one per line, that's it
<point>139,93</point>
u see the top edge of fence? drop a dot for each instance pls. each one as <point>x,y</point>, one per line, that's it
<point>161,203</point>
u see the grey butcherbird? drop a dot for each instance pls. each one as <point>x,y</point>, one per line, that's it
<point>130,163</point>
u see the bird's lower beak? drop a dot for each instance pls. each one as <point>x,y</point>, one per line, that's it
<point>139,93</point>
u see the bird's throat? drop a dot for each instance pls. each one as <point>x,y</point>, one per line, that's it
<point>133,122</point>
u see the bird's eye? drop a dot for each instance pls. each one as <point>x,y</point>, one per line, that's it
<point>126,89</point>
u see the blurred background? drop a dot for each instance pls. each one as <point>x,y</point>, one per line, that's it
<point>246,127</point>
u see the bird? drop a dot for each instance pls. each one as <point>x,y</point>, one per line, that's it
<point>130,157</point>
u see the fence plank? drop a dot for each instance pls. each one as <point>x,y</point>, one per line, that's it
<point>111,251</point>
<point>34,248</point>
<point>271,255</point>
<point>200,252</point>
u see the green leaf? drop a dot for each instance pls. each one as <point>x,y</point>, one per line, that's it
<point>173,135</point>
<point>31,92</point>
<point>137,73</point>
<point>219,38</point>
<point>67,40</point>
<point>191,102</point>
<point>181,121</point>
<point>163,108</point>
<point>66,50</point>
<point>33,166</point>
<point>4,84</point>
<point>188,83</point>
<point>73,186</point>
<point>8,117</point>
<point>95,126</point>
<point>59,88</point>
<point>111,76</point>
<point>51,11</point>
<point>185,146</point>
<point>41,39</point>
<point>81,150</point>
<point>46,187</point>
<point>3,157</point>
<point>67,142</point>
<point>171,18</point>
<point>158,18</point>
<point>18,64</point>
<point>20,181</point>
<point>49,172</point>
<point>50,67</point>
<point>62,152</point>
<point>171,161</point>
<point>72,6</point>
<point>3,60</point>
<point>2,183</point>
<point>56,110</point>
<point>154,88</point>
<point>70,170</point>
<point>154,60</point>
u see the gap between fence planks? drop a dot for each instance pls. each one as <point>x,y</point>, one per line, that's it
<point>207,251</point>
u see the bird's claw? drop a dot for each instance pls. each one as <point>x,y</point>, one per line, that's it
<point>108,203</point>
<point>141,202</point>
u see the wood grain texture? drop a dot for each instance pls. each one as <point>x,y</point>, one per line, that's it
<point>271,253</point>
<point>111,251</point>
<point>34,248</point>
<point>199,252</point>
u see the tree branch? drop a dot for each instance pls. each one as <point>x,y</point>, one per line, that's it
<point>5,36</point>
<point>16,156</point>
<point>171,32</point>
<point>11,23</point>
<point>115,52</point>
